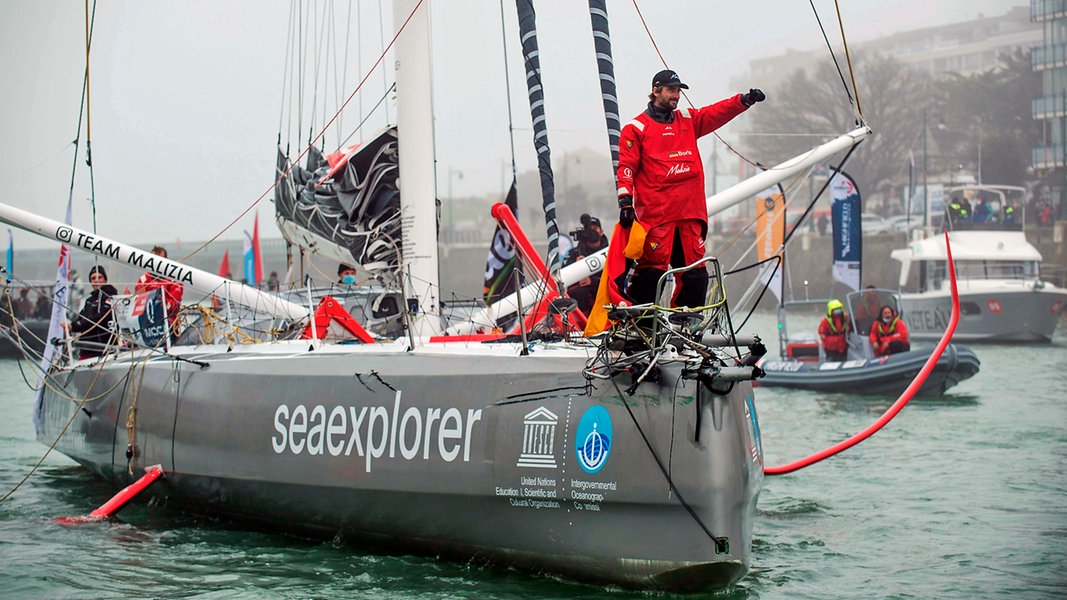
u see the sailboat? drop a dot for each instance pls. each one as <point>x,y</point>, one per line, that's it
<point>803,362</point>
<point>545,451</point>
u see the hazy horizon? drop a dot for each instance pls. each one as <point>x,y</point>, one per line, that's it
<point>186,97</point>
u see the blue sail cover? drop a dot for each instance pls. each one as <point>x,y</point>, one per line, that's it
<point>349,199</point>
<point>845,210</point>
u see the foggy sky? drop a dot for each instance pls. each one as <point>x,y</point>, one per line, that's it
<point>187,98</point>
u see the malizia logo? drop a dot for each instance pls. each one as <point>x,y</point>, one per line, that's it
<point>592,440</point>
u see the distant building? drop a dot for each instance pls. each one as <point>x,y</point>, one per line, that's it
<point>966,48</point>
<point>1049,57</point>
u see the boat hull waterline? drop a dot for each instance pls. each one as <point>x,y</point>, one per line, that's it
<point>1003,315</point>
<point>494,458</point>
<point>886,375</point>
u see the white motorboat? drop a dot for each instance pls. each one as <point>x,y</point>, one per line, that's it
<point>1002,295</point>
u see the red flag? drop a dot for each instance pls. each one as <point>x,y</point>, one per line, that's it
<point>224,268</point>
<point>256,255</point>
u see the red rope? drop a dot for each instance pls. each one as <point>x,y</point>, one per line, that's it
<point>904,398</point>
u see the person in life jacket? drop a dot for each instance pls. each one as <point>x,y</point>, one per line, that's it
<point>889,334</point>
<point>960,210</point>
<point>661,185</point>
<point>833,331</point>
<point>1009,215</point>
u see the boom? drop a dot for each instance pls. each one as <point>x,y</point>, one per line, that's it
<point>201,281</point>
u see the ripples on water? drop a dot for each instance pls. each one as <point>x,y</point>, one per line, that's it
<point>959,497</point>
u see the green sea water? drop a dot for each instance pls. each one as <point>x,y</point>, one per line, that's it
<point>959,497</point>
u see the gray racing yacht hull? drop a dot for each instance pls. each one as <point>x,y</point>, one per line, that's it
<point>487,456</point>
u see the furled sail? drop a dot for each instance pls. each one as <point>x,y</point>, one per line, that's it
<point>345,206</point>
<point>532,59</point>
<point>598,15</point>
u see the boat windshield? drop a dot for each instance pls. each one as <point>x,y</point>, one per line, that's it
<point>866,305</point>
<point>996,269</point>
<point>937,271</point>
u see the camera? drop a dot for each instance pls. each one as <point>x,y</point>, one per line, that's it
<point>585,236</point>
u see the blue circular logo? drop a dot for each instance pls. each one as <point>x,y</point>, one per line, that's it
<point>592,440</point>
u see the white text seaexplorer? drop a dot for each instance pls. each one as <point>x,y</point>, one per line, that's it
<point>374,431</point>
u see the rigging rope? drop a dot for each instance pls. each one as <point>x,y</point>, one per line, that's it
<point>856,109</point>
<point>320,134</point>
<point>848,58</point>
<point>344,72</point>
<point>90,17</point>
<point>507,91</point>
<point>598,19</point>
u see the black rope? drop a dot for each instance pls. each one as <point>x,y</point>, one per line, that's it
<point>778,260</point>
<point>788,237</point>
<point>829,47</point>
<point>722,544</point>
<point>507,92</point>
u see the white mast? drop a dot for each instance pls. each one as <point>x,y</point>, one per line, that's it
<point>201,281</point>
<point>418,192</point>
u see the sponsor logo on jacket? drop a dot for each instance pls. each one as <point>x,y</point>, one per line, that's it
<point>678,169</point>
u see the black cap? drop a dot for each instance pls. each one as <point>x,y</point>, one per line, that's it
<point>98,269</point>
<point>341,268</point>
<point>667,77</point>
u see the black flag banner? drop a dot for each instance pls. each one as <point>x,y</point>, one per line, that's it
<point>500,265</point>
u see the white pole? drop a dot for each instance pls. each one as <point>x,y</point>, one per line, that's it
<point>418,191</point>
<point>747,189</point>
<point>201,281</point>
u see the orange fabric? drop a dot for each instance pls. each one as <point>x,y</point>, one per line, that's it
<point>625,244</point>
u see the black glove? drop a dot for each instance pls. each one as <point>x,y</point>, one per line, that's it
<point>626,211</point>
<point>753,96</point>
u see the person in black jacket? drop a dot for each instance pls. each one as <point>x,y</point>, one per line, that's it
<point>93,323</point>
<point>590,239</point>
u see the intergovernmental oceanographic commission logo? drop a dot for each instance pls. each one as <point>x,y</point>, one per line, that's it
<point>592,440</point>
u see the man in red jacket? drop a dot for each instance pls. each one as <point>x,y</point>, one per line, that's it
<point>661,184</point>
